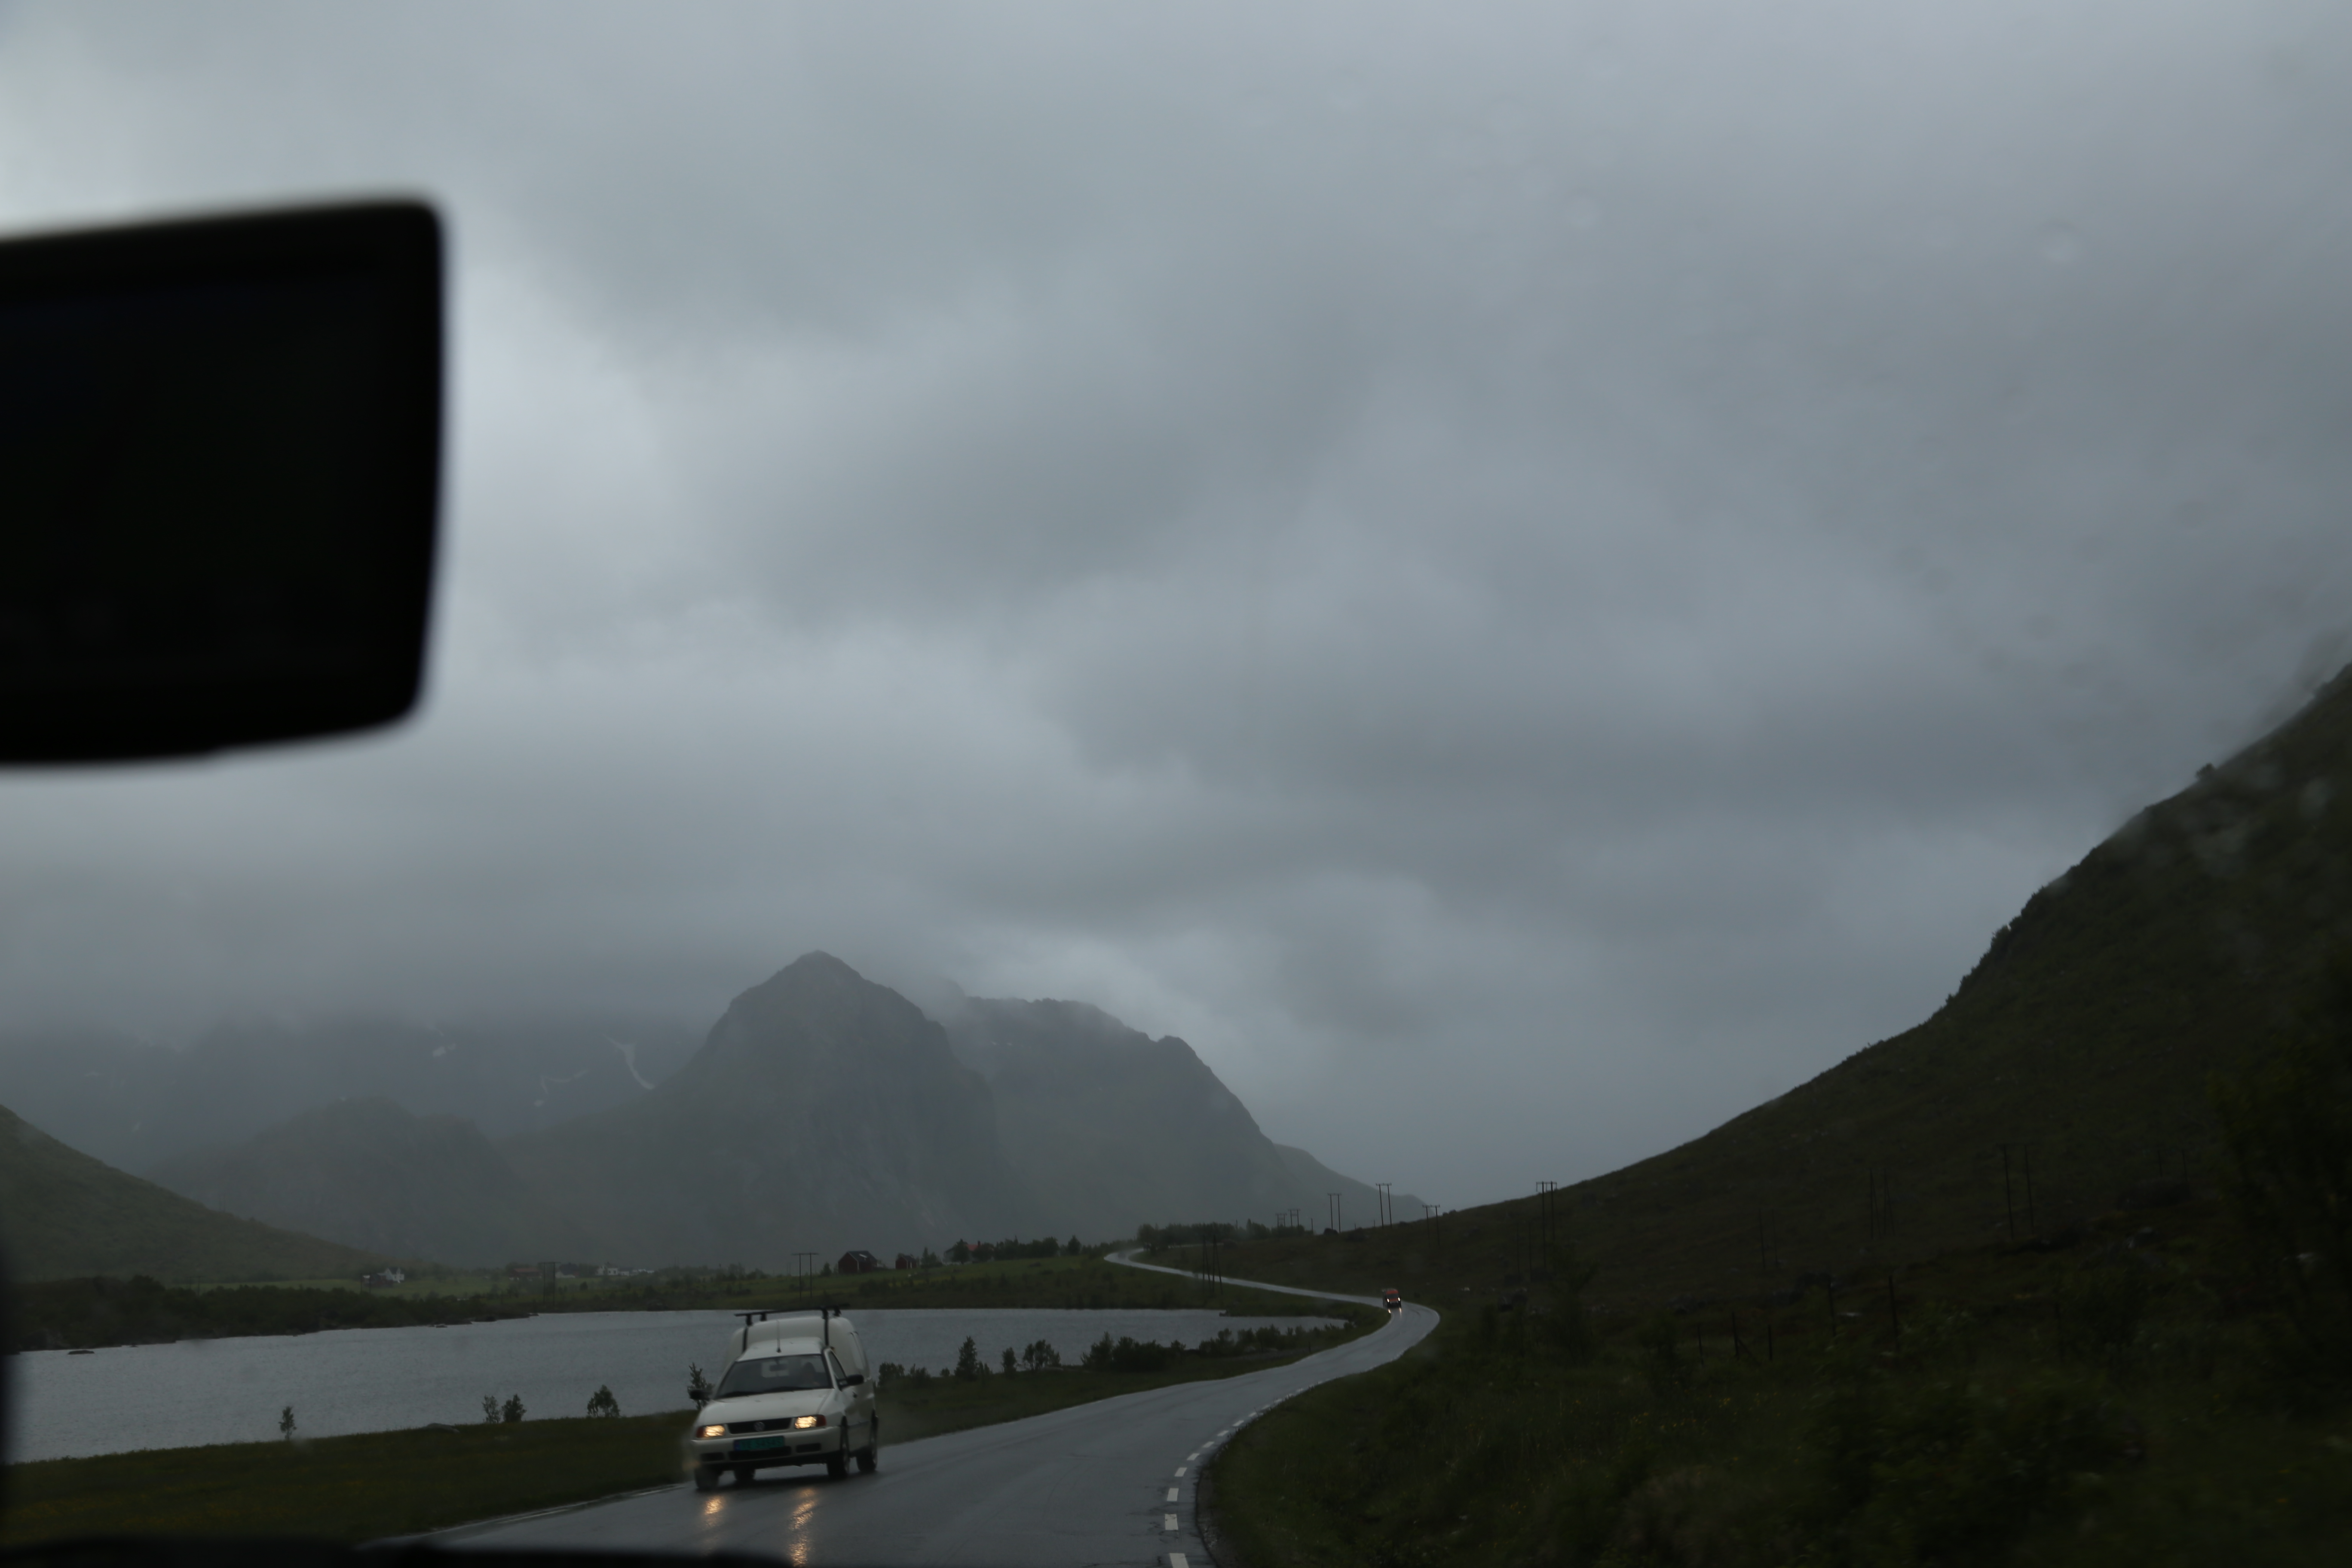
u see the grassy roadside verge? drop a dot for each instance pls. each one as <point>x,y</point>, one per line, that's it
<point>371,1485</point>
<point>342,1488</point>
<point>950,1406</point>
<point>1956,1416</point>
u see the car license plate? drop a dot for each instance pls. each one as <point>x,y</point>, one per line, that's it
<point>756,1444</point>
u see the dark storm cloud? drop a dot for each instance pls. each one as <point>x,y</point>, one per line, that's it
<point>1523,583</point>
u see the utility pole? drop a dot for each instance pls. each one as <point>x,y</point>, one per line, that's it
<point>1334,1201</point>
<point>1382,1188</point>
<point>1546,1203</point>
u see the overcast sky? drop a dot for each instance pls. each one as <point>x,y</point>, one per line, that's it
<point>1523,582</point>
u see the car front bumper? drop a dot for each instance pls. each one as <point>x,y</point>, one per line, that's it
<point>811,1448</point>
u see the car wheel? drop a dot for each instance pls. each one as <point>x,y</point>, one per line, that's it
<point>705,1479</point>
<point>836,1464</point>
<point>869,1458</point>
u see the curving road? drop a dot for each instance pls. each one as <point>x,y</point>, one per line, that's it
<point>1110,1483</point>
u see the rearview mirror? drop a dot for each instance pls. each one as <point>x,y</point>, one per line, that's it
<point>220,452</point>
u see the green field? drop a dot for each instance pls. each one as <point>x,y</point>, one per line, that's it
<point>373,1484</point>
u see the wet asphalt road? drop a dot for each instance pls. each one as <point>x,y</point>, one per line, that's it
<point>1110,1483</point>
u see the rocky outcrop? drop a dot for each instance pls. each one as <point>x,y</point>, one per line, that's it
<point>1113,1128</point>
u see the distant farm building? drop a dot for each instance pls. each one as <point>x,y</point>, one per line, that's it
<point>857,1262</point>
<point>906,1260</point>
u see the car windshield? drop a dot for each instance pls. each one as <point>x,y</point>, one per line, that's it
<point>775,1374</point>
<point>1652,689</point>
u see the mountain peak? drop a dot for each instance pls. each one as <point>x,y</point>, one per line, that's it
<point>814,1011</point>
<point>823,1109</point>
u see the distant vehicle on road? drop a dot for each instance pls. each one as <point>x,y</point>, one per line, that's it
<point>796,1391</point>
<point>1392,1300</point>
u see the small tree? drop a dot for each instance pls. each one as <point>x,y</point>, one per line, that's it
<point>968,1367</point>
<point>286,1424</point>
<point>489,1410</point>
<point>1012,1362</point>
<point>602,1402</point>
<point>697,1387</point>
<point>512,1411</point>
<point>930,1259</point>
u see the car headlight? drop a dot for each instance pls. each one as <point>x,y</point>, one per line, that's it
<point>805,1421</point>
<point>711,1432</point>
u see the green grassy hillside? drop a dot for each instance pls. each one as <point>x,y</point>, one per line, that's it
<point>2083,1041</point>
<point>63,1214</point>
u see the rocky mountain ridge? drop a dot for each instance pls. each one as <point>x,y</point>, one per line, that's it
<point>1076,1089</point>
<point>133,1103</point>
<point>823,1112</point>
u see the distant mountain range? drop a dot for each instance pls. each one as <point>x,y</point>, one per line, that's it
<point>823,1111</point>
<point>134,1102</point>
<point>370,1174</point>
<point>826,1111</point>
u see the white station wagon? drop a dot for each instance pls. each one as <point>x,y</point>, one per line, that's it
<point>796,1391</point>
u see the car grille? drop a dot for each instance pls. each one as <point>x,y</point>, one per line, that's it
<point>781,1423</point>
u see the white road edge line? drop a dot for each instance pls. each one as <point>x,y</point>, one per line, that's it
<point>1181,1469</point>
<point>1176,1560</point>
<point>1171,1494</point>
<point>1167,1522</point>
<point>475,1527</point>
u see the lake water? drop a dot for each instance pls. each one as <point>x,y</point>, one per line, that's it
<point>377,1380</point>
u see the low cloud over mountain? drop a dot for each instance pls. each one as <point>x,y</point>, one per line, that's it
<point>823,1111</point>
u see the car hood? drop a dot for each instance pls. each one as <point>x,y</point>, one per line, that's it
<point>768,1406</point>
